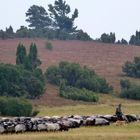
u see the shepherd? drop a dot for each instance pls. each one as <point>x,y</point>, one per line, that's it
<point>119,114</point>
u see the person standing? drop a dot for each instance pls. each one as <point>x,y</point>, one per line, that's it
<point>119,113</point>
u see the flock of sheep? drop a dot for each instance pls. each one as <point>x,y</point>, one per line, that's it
<point>57,123</point>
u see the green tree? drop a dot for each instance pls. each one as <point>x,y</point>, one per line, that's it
<point>59,13</point>
<point>38,17</point>
<point>23,32</point>
<point>123,41</point>
<point>20,54</point>
<point>32,57</point>
<point>9,31</point>
<point>81,35</point>
<point>108,38</point>
<point>135,39</point>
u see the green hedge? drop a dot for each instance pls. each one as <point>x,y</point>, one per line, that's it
<point>10,106</point>
<point>78,94</point>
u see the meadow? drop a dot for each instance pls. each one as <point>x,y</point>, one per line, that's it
<point>123,132</point>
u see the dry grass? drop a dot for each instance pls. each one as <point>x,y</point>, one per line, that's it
<point>126,132</point>
<point>128,108</point>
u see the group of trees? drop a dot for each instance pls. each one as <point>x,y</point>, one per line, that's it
<point>110,38</point>
<point>56,23</point>
<point>24,80</point>
<point>57,18</point>
<point>16,81</point>
<point>74,75</point>
<point>29,62</point>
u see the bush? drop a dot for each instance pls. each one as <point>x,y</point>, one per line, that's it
<point>78,77</point>
<point>15,107</point>
<point>131,93</point>
<point>48,46</point>
<point>78,94</point>
<point>132,69</point>
<point>125,84</point>
<point>16,81</point>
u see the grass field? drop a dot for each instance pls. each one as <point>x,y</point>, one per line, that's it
<point>112,132</point>
<point>125,132</point>
<point>133,108</point>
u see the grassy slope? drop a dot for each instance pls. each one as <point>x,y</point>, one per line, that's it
<point>107,60</point>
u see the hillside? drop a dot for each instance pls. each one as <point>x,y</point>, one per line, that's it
<point>105,59</point>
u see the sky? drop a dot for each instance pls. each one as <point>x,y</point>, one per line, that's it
<point>95,16</point>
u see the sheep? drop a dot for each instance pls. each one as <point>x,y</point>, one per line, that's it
<point>41,127</point>
<point>2,129</point>
<point>101,121</point>
<point>20,128</point>
<point>52,126</point>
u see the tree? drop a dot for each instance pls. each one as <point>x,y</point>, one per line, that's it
<point>20,54</point>
<point>135,39</point>
<point>108,38</point>
<point>34,61</point>
<point>23,32</point>
<point>59,13</point>
<point>38,17</point>
<point>9,31</point>
<point>81,35</point>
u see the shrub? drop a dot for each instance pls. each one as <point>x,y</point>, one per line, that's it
<point>78,77</point>
<point>15,107</point>
<point>125,84</point>
<point>132,69</point>
<point>49,46</point>
<point>78,94</point>
<point>16,81</point>
<point>129,91</point>
<point>132,93</point>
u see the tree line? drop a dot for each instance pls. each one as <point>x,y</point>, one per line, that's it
<point>56,23</point>
<point>111,38</point>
